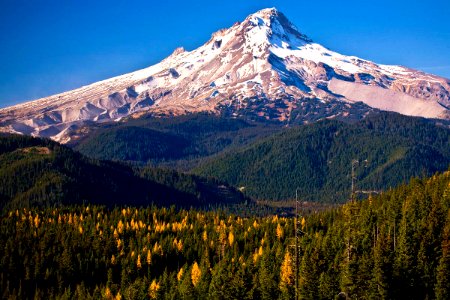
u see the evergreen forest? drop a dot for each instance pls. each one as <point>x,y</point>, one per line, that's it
<point>392,246</point>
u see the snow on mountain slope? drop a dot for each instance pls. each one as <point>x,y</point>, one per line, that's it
<point>262,67</point>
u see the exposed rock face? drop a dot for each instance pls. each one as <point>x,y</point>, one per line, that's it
<point>262,68</point>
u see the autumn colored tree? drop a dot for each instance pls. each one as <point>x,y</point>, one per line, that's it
<point>287,277</point>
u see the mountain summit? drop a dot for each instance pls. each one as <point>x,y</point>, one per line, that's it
<point>263,67</point>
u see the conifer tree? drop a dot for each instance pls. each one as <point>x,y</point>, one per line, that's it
<point>268,279</point>
<point>196,274</point>
<point>287,280</point>
<point>442,289</point>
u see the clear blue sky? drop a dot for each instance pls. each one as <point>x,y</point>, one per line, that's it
<point>48,47</point>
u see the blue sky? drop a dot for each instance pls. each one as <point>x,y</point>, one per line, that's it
<point>47,47</point>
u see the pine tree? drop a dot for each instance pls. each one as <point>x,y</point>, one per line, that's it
<point>349,276</point>
<point>383,267</point>
<point>267,276</point>
<point>442,288</point>
<point>309,273</point>
<point>405,265</point>
<point>186,289</point>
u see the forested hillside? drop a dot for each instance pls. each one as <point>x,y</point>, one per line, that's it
<point>173,140</point>
<point>392,246</point>
<point>268,160</point>
<point>317,158</point>
<point>36,172</point>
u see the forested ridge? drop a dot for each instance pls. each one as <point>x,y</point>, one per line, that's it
<point>392,246</point>
<point>317,158</point>
<point>175,141</point>
<point>39,172</point>
<point>268,159</point>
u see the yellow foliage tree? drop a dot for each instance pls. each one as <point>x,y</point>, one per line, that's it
<point>231,238</point>
<point>280,232</point>
<point>286,273</point>
<point>107,293</point>
<point>153,289</point>
<point>36,221</point>
<point>287,277</point>
<point>138,262</point>
<point>120,226</point>
<point>180,274</point>
<point>196,273</point>
<point>178,245</point>
<point>149,257</point>
<point>255,224</point>
<point>258,253</point>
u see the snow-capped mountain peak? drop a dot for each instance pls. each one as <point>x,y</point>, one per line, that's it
<point>262,67</point>
<point>279,26</point>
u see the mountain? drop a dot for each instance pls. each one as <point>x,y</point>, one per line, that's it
<point>316,158</point>
<point>36,172</point>
<point>262,68</point>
